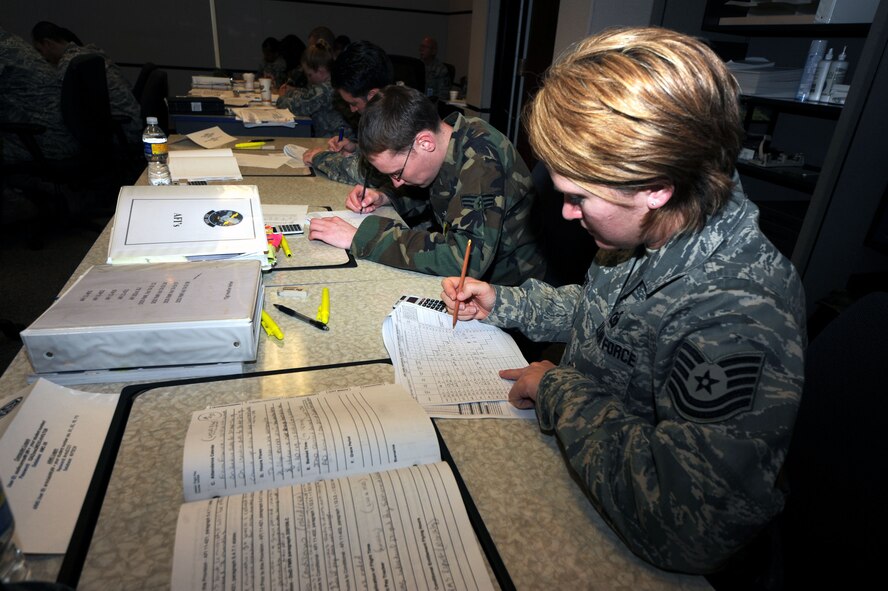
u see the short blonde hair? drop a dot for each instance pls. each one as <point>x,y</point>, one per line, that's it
<point>641,108</point>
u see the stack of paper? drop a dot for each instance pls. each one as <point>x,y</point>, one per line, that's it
<point>265,117</point>
<point>210,82</point>
<point>762,78</point>
<point>187,223</point>
<point>452,372</point>
<point>204,165</point>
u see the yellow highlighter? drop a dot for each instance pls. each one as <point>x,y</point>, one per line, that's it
<point>271,327</point>
<point>286,246</point>
<point>248,145</point>
<point>324,308</point>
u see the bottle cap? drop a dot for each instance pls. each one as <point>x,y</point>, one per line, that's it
<point>151,120</point>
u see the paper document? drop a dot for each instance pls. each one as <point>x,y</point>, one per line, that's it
<point>439,364</point>
<point>265,116</point>
<point>49,454</point>
<point>340,490</point>
<point>275,215</point>
<point>352,217</point>
<point>261,160</point>
<point>213,137</point>
<point>250,446</point>
<point>204,165</point>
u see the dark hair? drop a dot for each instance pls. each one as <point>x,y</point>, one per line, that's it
<point>362,67</point>
<point>47,30</point>
<point>271,44</point>
<point>342,41</point>
<point>393,118</point>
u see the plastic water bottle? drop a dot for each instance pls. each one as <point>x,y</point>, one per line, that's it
<point>154,141</point>
<point>12,562</point>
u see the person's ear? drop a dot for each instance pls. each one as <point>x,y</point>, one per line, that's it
<point>426,141</point>
<point>659,197</point>
<point>373,92</point>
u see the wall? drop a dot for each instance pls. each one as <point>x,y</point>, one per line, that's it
<point>129,35</point>
<point>579,18</point>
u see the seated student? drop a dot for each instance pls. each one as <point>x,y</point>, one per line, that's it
<point>436,74</point>
<point>120,94</point>
<point>678,389</point>
<point>273,64</point>
<point>51,40</point>
<point>358,74</point>
<point>479,189</point>
<point>316,101</point>
<point>30,92</point>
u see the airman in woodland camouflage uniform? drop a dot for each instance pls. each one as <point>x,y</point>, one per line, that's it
<point>123,103</point>
<point>479,190</point>
<point>315,101</point>
<point>679,386</point>
<point>437,77</point>
<point>30,92</point>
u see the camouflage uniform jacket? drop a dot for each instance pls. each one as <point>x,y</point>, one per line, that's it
<point>437,78</point>
<point>483,192</point>
<point>120,95</point>
<point>30,92</point>
<point>316,102</point>
<point>276,70</point>
<point>678,390</point>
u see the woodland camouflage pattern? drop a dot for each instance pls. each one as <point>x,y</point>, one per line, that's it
<point>678,389</point>
<point>316,102</point>
<point>30,92</point>
<point>438,79</point>
<point>483,192</point>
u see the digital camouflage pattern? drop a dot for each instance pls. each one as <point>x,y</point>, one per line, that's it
<point>438,79</point>
<point>483,192</point>
<point>30,92</point>
<point>276,70</point>
<point>678,390</point>
<point>120,95</point>
<point>316,102</point>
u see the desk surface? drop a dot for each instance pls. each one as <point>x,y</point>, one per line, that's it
<point>546,530</point>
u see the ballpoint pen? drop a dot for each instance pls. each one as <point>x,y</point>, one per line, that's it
<point>302,317</point>
<point>364,190</point>
<point>341,133</point>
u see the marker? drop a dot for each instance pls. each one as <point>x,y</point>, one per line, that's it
<point>341,133</point>
<point>286,246</point>
<point>324,308</point>
<point>302,317</point>
<point>271,327</point>
<point>250,145</point>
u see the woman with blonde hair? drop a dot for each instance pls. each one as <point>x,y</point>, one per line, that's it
<point>681,378</point>
<point>316,100</point>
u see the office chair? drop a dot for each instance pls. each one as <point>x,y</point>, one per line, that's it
<point>153,99</point>
<point>410,71</point>
<point>139,86</point>
<point>566,246</point>
<point>833,524</point>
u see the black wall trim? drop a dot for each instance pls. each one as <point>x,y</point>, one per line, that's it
<point>387,8</point>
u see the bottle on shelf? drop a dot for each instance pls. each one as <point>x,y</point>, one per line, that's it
<point>154,142</point>
<point>820,76</point>
<point>13,567</point>
<point>815,53</point>
<point>836,75</point>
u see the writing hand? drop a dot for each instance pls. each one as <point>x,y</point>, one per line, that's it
<point>365,201</point>
<point>475,301</point>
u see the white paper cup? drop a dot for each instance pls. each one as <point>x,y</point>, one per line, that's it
<point>265,86</point>
<point>454,94</point>
<point>249,80</point>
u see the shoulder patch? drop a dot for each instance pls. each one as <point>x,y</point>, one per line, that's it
<point>707,391</point>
